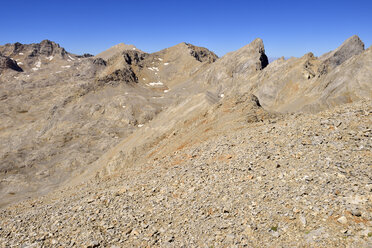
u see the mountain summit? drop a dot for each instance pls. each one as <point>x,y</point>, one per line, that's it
<point>119,48</point>
<point>350,47</point>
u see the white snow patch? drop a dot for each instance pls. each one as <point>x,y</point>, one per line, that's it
<point>160,59</point>
<point>50,58</point>
<point>71,57</point>
<point>69,60</point>
<point>35,69</point>
<point>19,63</point>
<point>155,83</point>
<point>166,63</point>
<point>140,125</point>
<point>66,66</point>
<point>123,106</point>
<point>157,97</point>
<point>153,68</point>
<point>143,78</point>
<point>222,95</point>
<point>165,91</point>
<point>20,53</point>
<point>38,64</point>
<point>126,93</point>
<point>133,48</point>
<point>156,73</point>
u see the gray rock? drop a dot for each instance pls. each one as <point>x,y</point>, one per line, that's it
<point>99,61</point>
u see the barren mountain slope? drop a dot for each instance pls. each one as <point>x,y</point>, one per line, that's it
<point>293,180</point>
<point>64,111</point>
<point>59,115</point>
<point>28,98</point>
<point>173,149</point>
<point>194,98</point>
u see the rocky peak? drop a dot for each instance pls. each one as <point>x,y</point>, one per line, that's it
<point>235,68</point>
<point>259,47</point>
<point>119,66</point>
<point>350,47</point>
<point>17,47</point>
<point>201,54</point>
<point>249,57</point>
<point>115,50</point>
<point>45,47</point>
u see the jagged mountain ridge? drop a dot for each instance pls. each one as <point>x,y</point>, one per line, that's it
<point>302,84</point>
<point>233,75</point>
<point>139,137</point>
<point>101,102</point>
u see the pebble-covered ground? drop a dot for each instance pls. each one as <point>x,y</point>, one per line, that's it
<point>300,181</point>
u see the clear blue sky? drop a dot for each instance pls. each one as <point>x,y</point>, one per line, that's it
<point>288,28</point>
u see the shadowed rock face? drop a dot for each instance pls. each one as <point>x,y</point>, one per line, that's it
<point>202,54</point>
<point>100,62</point>
<point>8,63</point>
<point>264,60</point>
<point>133,57</point>
<point>121,75</point>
